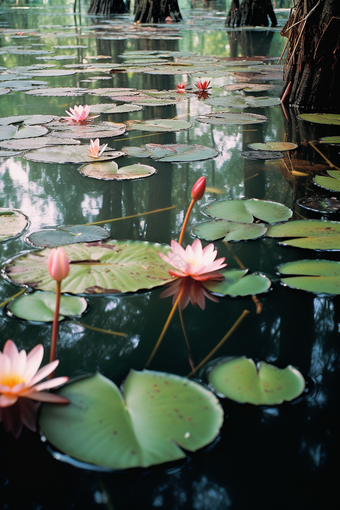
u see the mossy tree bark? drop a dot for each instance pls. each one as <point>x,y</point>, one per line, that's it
<point>251,13</point>
<point>156,11</point>
<point>312,68</point>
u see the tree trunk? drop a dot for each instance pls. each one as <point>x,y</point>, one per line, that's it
<point>156,11</point>
<point>312,70</point>
<point>251,13</point>
<point>107,7</point>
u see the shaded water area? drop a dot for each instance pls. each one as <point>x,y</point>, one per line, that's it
<point>264,457</point>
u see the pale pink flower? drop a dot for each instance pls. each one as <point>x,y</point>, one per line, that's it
<point>58,264</point>
<point>19,376</point>
<point>95,150</point>
<point>194,261</point>
<point>78,113</point>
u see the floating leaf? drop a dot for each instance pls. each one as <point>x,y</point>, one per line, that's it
<point>238,283</point>
<point>312,234</point>
<point>321,118</point>
<point>57,91</point>
<point>332,183</point>
<point>7,132</point>
<point>230,230</point>
<point>318,276</point>
<point>249,87</point>
<point>239,380</point>
<point>333,140</point>
<point>273,146</point>
<point>30,132</point>
<point>87,129</point>
<point>162,125</point>
<point>40,306</point>
<point>12,223</point>
<point>107,267</point>
<point>320,204</point>
<point>111,171</point>
<point>244,211</point>
<point>109,108</point>
<point>173,153</point>
<point>4,91</point>
<point>37,143</point>
<point>69,234</point>
<point>68,154</point>
<point>142,428</point>
<point>231,119</point>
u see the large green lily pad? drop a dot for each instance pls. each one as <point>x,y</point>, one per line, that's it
<point>106,267</point>
<point>321,118</point>
<point>240,380</point>
<point>238,283</point>
<point>156,416</point>
<point>229,230</point>
<point>231,119</point>
<point>110,171</point>
<point>318,276</point>
<point>331,183</point>
<point>244,211</point>
<point>172,153</point>
<point>312,234</point>
<point>86,129</point>
<point>69,234</point>
<point>161,125</point>
<point>69,154</point>
<point>40,306</point>
<point>12,223</point>
<point>333,140</point>
<point>273,146</point>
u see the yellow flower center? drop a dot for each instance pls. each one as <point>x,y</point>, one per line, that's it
<point>11,380</point>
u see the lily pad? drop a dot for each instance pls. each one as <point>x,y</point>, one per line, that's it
<point>173,153</point>
<point>36,143</point>
<point>331,183</point>
<point>238,283</point>
<point>333,140</point>
<point>68,154</point>
<point>240,380</point>
<point>249,87</point>
<point>273,146</point>
<point>244,211</point>
<point>110,171</point>
<point>137,428</point>
<point>87,129</point>
<point>231,119</point>
<point>30,132</point>
<point>161,125</point>
<point>7,132</point>
<point>70,234</point>
<point>229,230</point>
<point>57,91</point>
<point>105,267</point>
<point>40,306</point>
<point>319,235</point>
<point>12,223</point>
<point>110,108</point>
<point>318,276</point>
<point>320,204</point>
<point>321,118</point>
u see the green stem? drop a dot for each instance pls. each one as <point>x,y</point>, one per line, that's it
<point>55,326</point>
<point>185,222</point>
<point>166,325</point>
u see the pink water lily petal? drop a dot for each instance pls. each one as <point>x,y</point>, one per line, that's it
<point>6,400</point>
<point>44,372</point>
<point>44,396</point>
<point>34,359</point>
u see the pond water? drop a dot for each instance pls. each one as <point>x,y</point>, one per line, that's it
<point>264,457</point>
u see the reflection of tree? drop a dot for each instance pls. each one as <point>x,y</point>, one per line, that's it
<point>251,43</point>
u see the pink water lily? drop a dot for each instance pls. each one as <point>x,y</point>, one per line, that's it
<point>194,261</point>
<point>20,377</point>
<point>58,264</point>
<point>181,87</point>
<point>78,113</point>
<point>202,85</point>
<point>192,291</point>
<point>95,151</point>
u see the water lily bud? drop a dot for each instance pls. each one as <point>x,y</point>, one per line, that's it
<point>58,264</point>
<point>198,189</point>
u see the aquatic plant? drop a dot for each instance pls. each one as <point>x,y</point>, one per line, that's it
<point>94,150</point>
<point>78,113</point>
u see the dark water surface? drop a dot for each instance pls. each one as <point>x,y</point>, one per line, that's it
<point>280,457</point>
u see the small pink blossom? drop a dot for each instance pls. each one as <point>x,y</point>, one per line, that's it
<point>20,377</point>
<point>58,264</point>
<point>202,85</point>
<point>194,261</point>
<point>181,87</point>
<point>94,150</point>
<point>78,113</point>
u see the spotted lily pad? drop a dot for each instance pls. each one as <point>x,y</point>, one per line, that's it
<point>229,230</point>
<point>244,211</point>
<point>239,379</point>
<point>318,276</point>
<point>273,146</point>
<point>173,153</point>
<point>40,306</point>
<point>70,234</point>
<point>137,428</point>
<point>331,183</point>
<point>238,283</point>
<point>12,223</point>
<point>103,267</point>
<point>111,171</point>
<point>161,125</point>
<point>68,154</point>
<point>319,235</point>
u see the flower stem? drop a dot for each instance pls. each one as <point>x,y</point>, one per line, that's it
<point>220,343</point>
<point>164,330</point>
<point>185,222</point>
<point>55,326</point>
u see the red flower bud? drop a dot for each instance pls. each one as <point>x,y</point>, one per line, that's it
<point>58,264</point>
<point>198,189</point>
